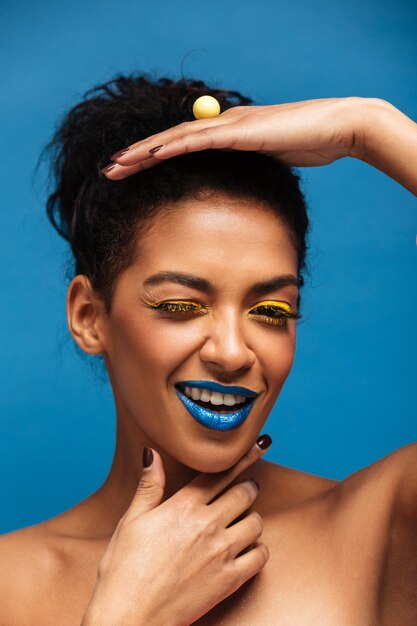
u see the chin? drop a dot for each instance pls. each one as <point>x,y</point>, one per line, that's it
<point>219,460</point>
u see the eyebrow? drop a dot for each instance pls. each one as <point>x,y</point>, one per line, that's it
<point>202,284</point>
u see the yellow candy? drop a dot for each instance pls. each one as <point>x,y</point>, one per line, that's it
<point>206,106</point>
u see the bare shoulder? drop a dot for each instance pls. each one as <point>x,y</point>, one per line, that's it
<point>378,505</point>
<point>386,476</point>
<point>27,565</point>
<point>379,482</point>
<point>375,488</point>
<point>387,492</point>
<point>44,576</point>
<point>284,488</point>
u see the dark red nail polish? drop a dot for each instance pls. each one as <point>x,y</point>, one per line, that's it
<point>153,150</point>
<point>264,441</point>
<point>116,155</point>
<point>147,457</point>
<point>108,168</point>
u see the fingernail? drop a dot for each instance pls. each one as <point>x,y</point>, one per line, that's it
<point>108,168</point>
<point>116,155</point>
<point>147,457</point>
<point>264,441</point>
<point>254,481</point>
<point>153,150</point>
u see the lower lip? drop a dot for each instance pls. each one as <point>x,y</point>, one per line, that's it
<point>213,419</point>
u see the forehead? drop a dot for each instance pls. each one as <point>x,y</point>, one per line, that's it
<point>217,230</point>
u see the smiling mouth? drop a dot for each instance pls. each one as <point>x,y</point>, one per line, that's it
<point>216,417</point>
<point>217,408</point>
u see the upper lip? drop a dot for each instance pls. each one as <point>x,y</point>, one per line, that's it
<point>209,384</point>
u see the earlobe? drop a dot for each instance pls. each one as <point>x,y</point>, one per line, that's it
<point>84,315</point>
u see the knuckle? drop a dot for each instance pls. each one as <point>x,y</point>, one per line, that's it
<point>264,552</point>
<point>233,570</point>
<point>257,522</point>
<point>210,528</point>
<point>203,527</point>
<point>144,483</point>
<point>245,492</point>
<point>148,487</point>
<point>220,547</point>
<point>208,133</point>
<point>186,507</point>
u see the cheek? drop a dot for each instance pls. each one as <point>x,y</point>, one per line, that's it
<point>148,346</point>
<point>277,357</point>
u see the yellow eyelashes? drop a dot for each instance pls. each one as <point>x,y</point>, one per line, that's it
<point>268,311</point>
<point>177,306</point>
<point>274,313</point>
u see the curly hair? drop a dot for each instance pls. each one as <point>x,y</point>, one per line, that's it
<point>102,219</point>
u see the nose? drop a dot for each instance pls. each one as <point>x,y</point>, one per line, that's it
<point>226,348</point>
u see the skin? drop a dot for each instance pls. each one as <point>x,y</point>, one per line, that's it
<point>340,552</point>
<point>146,351</point>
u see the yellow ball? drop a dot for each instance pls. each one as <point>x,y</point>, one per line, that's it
<point>206,106</point>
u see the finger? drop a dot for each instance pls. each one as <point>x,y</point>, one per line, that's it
<point>119,172</point>
<point>204,487</point>
<point>234,502</point>
<point>150,489</point>
<point>214,137</point>
<point>250,563</point>
<point>246,532</point>
<point>139,150</point>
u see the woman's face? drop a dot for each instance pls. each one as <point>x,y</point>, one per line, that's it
<point>210,328</point>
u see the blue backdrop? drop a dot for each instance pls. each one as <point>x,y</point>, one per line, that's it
<point>351,397</point>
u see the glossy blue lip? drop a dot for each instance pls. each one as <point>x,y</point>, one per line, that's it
<point>208,384</point>
<point>214,419</point>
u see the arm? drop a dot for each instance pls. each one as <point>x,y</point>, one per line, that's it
<point>406,496</point>
<point>389,142</point>
<point>301,134</point>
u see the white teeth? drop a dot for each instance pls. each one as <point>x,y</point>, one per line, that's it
<point>205,395</point>
<point>195,393</point>
<point>216,398</point>
<point>230,399</point>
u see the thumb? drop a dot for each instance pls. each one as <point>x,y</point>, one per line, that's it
<point>150,490</point>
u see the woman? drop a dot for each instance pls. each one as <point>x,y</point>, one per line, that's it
<point>186,282</point>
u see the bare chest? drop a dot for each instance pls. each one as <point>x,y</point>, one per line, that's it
<point>327,566</point>
<point>319,572</point>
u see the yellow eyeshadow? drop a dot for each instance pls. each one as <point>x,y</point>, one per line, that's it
<point>175,306</point>
<point>270,311</point>
<point>283,306</point>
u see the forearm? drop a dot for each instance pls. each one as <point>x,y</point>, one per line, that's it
<point>104,615</point>
<point>111,608</point>
<point>388,142</point>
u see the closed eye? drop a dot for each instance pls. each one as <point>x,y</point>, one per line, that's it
<point>178,306</point>
<point>269,312</point>
<point>274,313</point>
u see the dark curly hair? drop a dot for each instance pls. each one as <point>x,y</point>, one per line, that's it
<point>103,219</point>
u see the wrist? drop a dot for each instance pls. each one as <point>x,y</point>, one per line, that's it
<point>368,117</point>
<point>100,616</point>
<point>100,613</point>
<point>387,140</point>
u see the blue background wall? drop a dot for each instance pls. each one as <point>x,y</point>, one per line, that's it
<point>351,397</point>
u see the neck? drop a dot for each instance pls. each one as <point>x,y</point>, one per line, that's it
<point>118,490</point>
<point>98,515</point>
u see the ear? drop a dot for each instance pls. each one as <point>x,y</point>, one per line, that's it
<point>85,315</point>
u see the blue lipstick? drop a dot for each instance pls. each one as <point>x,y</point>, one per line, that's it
<point>208,384</point>
<point>214,419</point>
